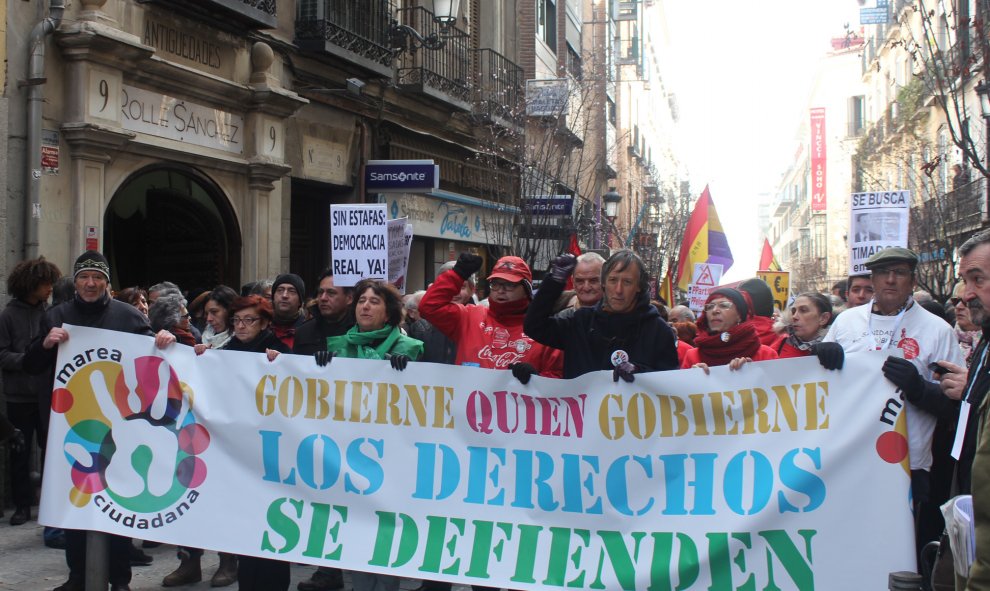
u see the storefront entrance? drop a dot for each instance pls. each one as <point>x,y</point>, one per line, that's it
<point>172,223</point>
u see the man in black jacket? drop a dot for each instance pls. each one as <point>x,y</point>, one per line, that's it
<point>91,307</point>
<point>623,332</point>
<point>334,319</point>
<point>28,396</point>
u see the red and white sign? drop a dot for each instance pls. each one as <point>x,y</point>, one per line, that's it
<point>92,238</point>
<point>818,202</point>
<point>706,277</point>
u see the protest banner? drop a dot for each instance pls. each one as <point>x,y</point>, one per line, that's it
<point>399,240</point>
<point>358,243</point>
<point>780,285</point>
<point>677,480</point>
<point>878,221</point>
<point>706,276</point>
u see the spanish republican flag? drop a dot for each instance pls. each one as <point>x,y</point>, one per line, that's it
<point>768,262</point>
<point>666,291</point>
<point>704,241</point>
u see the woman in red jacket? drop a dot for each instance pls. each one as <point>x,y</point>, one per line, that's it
<point>724,335</point>
<point>491,337</point>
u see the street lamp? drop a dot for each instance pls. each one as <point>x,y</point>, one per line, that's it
<point>983,91</point>
<point>445,14</point>
<point>611,199</point>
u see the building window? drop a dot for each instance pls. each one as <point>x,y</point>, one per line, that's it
<point>546,22</point>
<point>856,115</point>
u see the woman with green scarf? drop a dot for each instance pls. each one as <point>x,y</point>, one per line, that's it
<point>377,309</point>
<point>377,312</point>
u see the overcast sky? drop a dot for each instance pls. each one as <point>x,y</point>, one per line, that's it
<point>742,74</point>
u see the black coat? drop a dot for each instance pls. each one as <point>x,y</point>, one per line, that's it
<point>312,336</point>
<point>20,324</point>
<point>107,313</point>
<point>977,384</point>
<point>589,336</point>
<point>266,339</point>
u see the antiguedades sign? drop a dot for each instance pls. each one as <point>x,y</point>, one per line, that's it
<point>406,176</point>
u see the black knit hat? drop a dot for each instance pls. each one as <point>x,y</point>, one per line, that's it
<point>91,260</point>
<point>760,294</point>
<point>734,296</point>
<point>293,280</point>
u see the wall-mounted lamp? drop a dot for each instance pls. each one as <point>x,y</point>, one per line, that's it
<point>445,12</point>
<point>612,199</point>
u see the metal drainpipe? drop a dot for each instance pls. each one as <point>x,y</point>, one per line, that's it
<point>35,99</point>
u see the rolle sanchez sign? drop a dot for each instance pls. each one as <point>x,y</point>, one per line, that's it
<point>405,176</point>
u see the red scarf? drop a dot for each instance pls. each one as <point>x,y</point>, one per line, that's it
<point>743,342</point>
<point>509,312</point>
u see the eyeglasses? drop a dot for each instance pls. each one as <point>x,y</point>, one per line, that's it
<point>721,305</point>
<point>497,285</point>
<point>899,272</point>
<point>245,321</point>
<point>955,301</point>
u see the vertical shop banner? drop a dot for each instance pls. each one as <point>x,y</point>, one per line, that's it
<point>780,475</point>
<point>818,199</point>
<point>358,243</point>
<point>878,221</point>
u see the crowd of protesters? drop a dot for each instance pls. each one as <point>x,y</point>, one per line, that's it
<point>588,314</point>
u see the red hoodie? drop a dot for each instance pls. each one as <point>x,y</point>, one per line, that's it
<point>490,337</point>
<point>764,329</point>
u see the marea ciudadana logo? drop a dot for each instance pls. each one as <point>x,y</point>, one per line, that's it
<point>133,444</point>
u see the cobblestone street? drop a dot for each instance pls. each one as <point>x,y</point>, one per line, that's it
<point>27,565</point>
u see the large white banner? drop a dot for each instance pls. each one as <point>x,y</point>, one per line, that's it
<point>780,474</point>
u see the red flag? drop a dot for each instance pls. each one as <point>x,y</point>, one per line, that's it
<point>575,249</point>
<point>768,262</point>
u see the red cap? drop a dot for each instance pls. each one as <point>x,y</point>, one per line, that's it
<point>512,269</point>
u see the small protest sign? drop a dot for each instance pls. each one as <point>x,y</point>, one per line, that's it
<point>358,243</point>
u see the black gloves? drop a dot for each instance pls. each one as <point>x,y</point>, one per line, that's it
<point>830,355</point>
<point>562,267</point>
<point>398,361</point>
<point>467,264</point>
<point>323,358</point>
<point>903,374</point>
<point>624,370</point>
<point>523,371</point>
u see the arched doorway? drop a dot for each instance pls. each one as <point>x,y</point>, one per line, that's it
<point>171,222</point>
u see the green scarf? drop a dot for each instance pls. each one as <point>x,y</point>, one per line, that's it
<point>360,345</point>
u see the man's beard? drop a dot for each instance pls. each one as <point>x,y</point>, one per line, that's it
<point>978,314</point>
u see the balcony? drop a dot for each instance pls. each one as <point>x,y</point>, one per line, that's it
<point>957,214</point>
<point>498,89</point>
<point>355,32</point>
<point>443,74</point>
<point>253,14</point>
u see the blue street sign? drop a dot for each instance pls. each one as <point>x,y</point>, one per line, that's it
<point>405,176</point>
<point>548,205</point>
<point>873,16</point>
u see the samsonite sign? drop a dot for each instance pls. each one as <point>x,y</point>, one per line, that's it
<point>406,176</point>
